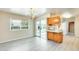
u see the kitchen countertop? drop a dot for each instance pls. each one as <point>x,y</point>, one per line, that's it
<point>54,31</point>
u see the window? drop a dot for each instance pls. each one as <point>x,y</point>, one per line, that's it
<point>18,24</point>
<point>15,24</point>
<point>24,24</point>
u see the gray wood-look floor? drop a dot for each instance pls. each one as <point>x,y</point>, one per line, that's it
<point>70,43</point>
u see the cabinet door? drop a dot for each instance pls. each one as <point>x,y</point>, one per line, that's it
<point>50,35</point>
<point>49,21</point>
<point>58,37</point>
<point>53,20</point>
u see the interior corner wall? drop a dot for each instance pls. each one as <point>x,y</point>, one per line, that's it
<point>77,27</point>
<point>7,35</point>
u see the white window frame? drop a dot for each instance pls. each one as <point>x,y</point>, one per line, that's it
<point>20,25</point>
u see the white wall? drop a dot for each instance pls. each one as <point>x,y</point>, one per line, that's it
<point>64,27</point>
<point>77,26</point>
<point>6,34</point>
<point>65,24</point>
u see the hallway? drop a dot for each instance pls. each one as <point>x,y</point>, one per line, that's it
<point>70,43</point>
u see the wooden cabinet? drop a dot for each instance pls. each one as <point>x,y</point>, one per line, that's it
<point>57,37</point>
<point>53,20</point>
<point>54,36</point>
<point>50,35</point>
<point>49,21</point>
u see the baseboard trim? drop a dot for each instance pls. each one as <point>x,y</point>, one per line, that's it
<point>16,39</point>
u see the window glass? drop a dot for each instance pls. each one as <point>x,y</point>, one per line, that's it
<point>15,24</point>
<point>24,24</point>
<point>18,24</point>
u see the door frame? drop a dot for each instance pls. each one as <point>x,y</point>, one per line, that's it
<point>70,25</point>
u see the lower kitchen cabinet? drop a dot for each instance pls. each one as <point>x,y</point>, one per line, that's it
<point>55,36</point>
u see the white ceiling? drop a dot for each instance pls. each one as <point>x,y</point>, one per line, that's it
<point>25,11</point>
<point>40,11</point>
<point>73,11</point>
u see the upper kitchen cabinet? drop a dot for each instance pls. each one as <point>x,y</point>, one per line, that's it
<point>53,20</point>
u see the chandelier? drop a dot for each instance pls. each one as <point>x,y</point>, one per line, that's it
<point>37,11</point>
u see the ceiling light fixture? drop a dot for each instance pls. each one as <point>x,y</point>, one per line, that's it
<point>66,15</point>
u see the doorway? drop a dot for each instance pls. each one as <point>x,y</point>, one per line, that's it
<point>40,26</point>
<point>71,27</point>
